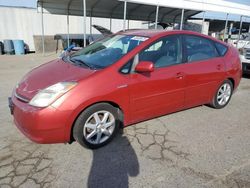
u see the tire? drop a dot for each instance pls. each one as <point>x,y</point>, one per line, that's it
<point>96,126</point>
<point>223,95</point>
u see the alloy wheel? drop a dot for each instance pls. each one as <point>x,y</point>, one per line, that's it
<point>99,127</point>
<point>224,94</point>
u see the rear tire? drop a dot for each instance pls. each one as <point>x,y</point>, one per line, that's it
<point>96,126</point>
<point>223,95</point>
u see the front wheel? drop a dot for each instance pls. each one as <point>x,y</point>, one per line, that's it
<point>96,126</point>
<point>223,95</point>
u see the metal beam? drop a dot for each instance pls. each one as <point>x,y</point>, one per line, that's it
<point>110,24</point>
<point>68,29</point>
<point>156,16</point>
<point>182,17</point>
<point>241,21</point>
<point>203,21</point>
<point>43,43</point>
<point>84,22</point>
<point>124,15</point>
<point>90,24</point>
<point>225,30</point>
<point>91,11</point>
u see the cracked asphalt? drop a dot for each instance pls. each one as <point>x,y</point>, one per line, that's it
<point>199,147</point>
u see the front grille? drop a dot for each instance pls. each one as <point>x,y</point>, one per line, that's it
<point>21,98</point>
<point>247,56</point>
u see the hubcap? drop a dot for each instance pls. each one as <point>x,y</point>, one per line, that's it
<point>224,94</point>
<point>99,127</point>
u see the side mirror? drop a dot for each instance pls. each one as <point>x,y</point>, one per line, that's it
<point>144,66</point>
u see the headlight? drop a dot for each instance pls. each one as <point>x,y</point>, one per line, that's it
<point>242,51</point>
<point>47,96</point>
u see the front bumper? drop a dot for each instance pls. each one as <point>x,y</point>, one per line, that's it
<point>246,68</point>
<point>245,64</point>
<point>41,125</point>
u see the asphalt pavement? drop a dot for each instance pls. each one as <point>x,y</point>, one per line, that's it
<point>199,147</point>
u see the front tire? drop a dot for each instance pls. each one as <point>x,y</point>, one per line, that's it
<point>96,126</point>
<point>223,95</point>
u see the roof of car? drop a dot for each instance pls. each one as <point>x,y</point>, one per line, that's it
<point>143,32</point>
<point>154,32</point>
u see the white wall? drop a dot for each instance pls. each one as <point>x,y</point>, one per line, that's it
<point>23,23</point>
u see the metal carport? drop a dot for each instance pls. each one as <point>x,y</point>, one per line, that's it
<point>143,10</point>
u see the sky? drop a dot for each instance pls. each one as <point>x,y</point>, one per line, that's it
<point>246,2</point>
<point>19,3</point>
<point>32,4</point>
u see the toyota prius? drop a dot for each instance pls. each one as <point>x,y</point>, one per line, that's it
<point>120,80</point>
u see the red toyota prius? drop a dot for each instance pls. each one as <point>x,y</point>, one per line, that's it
<point>125,78</point>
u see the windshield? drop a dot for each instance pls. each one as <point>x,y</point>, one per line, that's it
<point>107,51</point>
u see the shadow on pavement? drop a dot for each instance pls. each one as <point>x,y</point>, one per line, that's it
<point>247,76</point>
<point>113,164</point>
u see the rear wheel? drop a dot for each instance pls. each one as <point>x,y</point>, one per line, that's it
<point>96,126</point>
<point>223,95</point>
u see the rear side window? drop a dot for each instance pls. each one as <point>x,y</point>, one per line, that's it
<point>222,49</point>
<point>199,48</point>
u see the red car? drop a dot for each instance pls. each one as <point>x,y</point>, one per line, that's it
<point>122,79</point>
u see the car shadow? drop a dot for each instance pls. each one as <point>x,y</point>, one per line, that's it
<point>113,164</point>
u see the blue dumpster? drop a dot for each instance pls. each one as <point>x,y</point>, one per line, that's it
<point>19,47</point>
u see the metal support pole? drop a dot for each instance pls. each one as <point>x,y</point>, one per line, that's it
<point>241,21</point>
<point>124,15</point>
<point>203,21</point>
<point>225,30</point>
<point>110,24</point>
<point>156,16</point>
<point>68,29</point>
<point>90,24</point>
<point>182,17</point>
<point>84,22</point>
<point>230,29</point>
<point>43,43</point>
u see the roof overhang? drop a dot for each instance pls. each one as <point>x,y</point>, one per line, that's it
<point>136,10</point>
<point>221,6</point>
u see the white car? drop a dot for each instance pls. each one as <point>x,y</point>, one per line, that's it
<point>245,58</point>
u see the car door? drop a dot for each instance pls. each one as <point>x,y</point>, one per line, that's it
<point>204,70</point>
<point>161,91</point>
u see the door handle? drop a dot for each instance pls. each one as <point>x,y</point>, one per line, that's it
<point>179,75</point>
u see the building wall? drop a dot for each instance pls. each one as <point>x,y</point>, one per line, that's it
<point>24,23</point>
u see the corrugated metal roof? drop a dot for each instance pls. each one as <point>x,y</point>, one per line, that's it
<point>114,9</point>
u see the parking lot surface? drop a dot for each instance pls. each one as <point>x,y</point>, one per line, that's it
<point>199,147</point>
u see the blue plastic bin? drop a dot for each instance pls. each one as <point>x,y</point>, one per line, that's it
<point>19,47</point>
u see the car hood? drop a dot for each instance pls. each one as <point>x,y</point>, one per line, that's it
<point>247,45</point>
<point>48,74</point>
<point>242,43</point>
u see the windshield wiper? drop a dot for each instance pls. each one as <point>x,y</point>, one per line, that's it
<point>81,62</point>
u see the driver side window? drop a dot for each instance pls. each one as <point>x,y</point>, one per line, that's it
<point>164,52</point>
